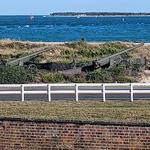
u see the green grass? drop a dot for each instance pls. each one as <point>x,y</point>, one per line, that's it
<point>138,112</point>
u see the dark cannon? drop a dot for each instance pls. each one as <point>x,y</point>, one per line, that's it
<point>26,62</point>
<point>24,59</point>
<point>108,61</point>
<point>52,66</point>
<point>91,67</point>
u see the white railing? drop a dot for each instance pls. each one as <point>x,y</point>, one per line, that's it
<point>75,89</point>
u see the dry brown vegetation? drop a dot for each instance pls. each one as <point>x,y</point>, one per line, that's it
<point>143,51</point>
<point>12,48</point>
<point>65,52</point>
<point>58,52</point>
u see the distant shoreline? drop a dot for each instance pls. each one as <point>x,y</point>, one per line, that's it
<point>96,14</point>
<point>80,16</point>
<point>105,16</point>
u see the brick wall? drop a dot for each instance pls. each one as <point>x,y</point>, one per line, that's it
<point>59,135</point>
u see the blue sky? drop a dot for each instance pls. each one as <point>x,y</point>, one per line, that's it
<point>37,7</point>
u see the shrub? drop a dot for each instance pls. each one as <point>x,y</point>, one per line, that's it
<point>80,44</point>
<point>124,79</point>
<point>117,70</point>
<point>16,75</point>
<point>86,53</point>
<point>91,51</point>
<point>77,78</point>
<point>99,76</point>
<point>52,78</point>
<point>110,48</point>
<point>136,66</point>
<point>19,45</point>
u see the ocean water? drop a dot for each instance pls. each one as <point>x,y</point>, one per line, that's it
<point>63,29</point>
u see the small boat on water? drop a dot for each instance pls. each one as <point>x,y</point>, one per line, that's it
<point>31,17</point>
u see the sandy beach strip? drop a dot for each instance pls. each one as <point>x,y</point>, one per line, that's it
<point>94,42</point>
<point>61,43</point>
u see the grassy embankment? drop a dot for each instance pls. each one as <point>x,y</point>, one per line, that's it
<point>137,112</point>
<point>81,51</point>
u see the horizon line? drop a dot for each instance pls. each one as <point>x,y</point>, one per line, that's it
<point>73,12</point>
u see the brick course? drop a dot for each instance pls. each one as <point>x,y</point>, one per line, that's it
<point>66,135</point>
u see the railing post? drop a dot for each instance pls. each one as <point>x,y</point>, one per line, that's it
<point>22,93</point>
<point>104,93</point>
<point>77,92</point>
<point>49,92</point>
<point>131,91</point>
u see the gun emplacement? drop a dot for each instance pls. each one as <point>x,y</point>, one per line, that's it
<point>109,60</point>
<point>52,66</point>
<point>24,59</point>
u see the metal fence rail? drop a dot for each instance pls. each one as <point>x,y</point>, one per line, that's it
<point>77,89</point>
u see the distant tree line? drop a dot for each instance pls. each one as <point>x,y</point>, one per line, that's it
<point>98,14</point>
